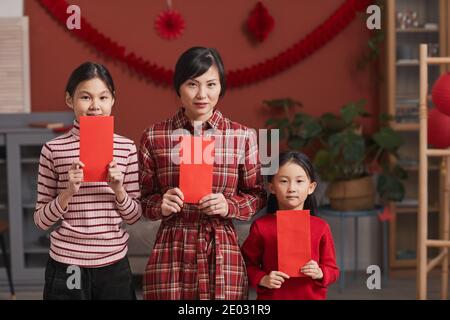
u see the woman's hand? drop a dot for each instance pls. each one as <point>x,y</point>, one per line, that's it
<point>172,202</point>
<point>312,269</point>
<point>214,204</point>
<point>273,280</point>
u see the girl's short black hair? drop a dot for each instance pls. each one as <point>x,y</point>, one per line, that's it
<point>303,161</point>
<point>87,71</point>
<point>196,61</point>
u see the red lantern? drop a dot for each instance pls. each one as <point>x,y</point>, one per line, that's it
<point>441,93</point>
<point>438,129</point>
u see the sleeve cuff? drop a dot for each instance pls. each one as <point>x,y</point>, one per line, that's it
<point>257,278</point>
<point>122,205</point>
<point>324,281</point>
<point>233,208</point>
<point>58,206</point>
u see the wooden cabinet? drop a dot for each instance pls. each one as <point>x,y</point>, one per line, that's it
<point>408,24</point>
<point>20,148</point>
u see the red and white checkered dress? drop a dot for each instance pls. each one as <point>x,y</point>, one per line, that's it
<point>197,256</point>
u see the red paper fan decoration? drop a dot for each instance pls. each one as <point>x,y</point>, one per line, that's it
<point>169,24</point>
<point>260,23</point>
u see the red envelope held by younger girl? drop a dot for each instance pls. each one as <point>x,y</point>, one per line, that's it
<point>293,240</point>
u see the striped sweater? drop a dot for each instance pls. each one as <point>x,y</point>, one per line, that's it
<point>89,233</point>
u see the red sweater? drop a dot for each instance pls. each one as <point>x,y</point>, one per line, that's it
<point>260,254</point>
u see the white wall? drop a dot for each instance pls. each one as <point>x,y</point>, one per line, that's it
<point>11,8</point>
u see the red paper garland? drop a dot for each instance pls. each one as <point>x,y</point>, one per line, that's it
<point>260,23</point>
<point>315,40</point>
<point>169,24</point>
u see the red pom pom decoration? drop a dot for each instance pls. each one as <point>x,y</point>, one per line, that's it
<point>438,129</point>
<point>169,24</point>
<point>260,23</point>
<point>441,93</point>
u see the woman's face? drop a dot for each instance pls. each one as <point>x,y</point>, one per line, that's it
<point>91,98</point>
<point>199,96</point>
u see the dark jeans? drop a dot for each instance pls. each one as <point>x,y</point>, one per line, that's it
<point>64,282</point>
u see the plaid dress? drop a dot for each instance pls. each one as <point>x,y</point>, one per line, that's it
<point>197,256</point>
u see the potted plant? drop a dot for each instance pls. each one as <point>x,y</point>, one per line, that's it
<point>343,155</point>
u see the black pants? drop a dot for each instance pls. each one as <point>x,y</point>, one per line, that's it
<point>65,282</point>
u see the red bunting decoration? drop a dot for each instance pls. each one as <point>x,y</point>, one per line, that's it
<point>169,24</point>
<point>260,23</point>
<point>298,52</point>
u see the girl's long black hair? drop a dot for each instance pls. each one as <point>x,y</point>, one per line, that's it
<point>303,161</point>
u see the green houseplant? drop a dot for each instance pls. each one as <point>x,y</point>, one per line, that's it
<point>342,154</point>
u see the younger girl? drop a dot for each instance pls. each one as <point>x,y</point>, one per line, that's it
<point>89,239</point>
<point>291,188</point>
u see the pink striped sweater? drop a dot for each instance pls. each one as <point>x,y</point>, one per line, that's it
<point>90,232</point>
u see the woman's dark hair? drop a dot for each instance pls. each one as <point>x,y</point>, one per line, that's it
<point>304,162</point>
<point>196,61</point>
<point>88,71</point>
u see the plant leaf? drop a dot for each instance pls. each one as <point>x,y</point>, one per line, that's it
<point>388,139</point>
<point>282,103</point>
<point>352,110</point>
<point>296,143</point>
<point>390,187</point>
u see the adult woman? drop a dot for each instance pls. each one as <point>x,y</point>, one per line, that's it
<point>196,253</point>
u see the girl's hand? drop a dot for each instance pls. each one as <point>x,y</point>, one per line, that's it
<point>75,175</point>
<point>312,269</point>
<point>115,177</point>
<point>115,181</point>
<point>273,280</point>
<point>172,201</point>
<point>214,204</point>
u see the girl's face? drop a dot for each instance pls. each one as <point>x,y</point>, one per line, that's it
<point>91,98</point>
<point>291,186</point>
<point>199,96</point>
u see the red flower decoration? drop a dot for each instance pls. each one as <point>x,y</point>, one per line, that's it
<point>386,215</point>
<point>260,23</point>
<point>374,167</point>
<point>169,24</point>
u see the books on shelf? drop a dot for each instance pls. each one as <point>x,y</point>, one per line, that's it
<point>407,110</point>
<point>401,62</point>
<point>408,203</point>
<point>406,254</point>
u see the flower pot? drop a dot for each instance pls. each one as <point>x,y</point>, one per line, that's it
<point>351,195</point>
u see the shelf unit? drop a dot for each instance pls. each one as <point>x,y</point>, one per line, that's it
<point>20,148</point>
<point>402,101</point>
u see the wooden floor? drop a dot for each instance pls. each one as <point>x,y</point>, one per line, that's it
<point>401,286</point>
